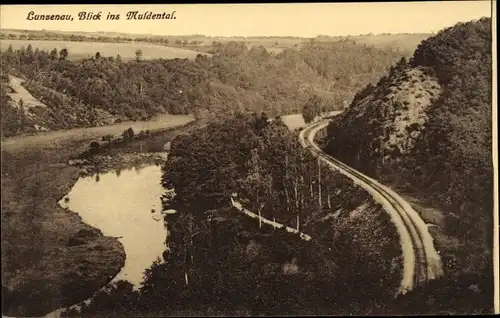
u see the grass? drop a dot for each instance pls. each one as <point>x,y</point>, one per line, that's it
<point>80,50</point>
<point>40,271</point>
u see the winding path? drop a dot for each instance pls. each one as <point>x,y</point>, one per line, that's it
<point>421,261</point>
<point>274,224</point>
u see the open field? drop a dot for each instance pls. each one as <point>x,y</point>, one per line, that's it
<point>405,42</point>
<point>80,50</point>
<point>294,121</point>
<point>201,43</point>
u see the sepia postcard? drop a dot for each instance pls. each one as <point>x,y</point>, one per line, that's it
<point>286,159</point>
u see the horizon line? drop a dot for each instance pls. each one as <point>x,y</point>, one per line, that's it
<point>220,36</point>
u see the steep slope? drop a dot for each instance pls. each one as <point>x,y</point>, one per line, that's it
<point>384,120</point>
<point>426,130</point>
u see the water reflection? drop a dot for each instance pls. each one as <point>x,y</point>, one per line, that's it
<point>121,204</point>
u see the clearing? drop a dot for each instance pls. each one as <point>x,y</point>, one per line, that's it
<point>293,121</point>
<point>29,101</point>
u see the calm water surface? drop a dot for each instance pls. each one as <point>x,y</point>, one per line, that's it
<point>120,204</point>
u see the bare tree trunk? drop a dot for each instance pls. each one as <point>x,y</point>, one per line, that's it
<point>259,208</point>
<point>191,240</point>
<point>296,184</point>
<point>285,185</point>
<point>185,261</point>
<point>311,187</point>
<point>319,183</point>
<point>260,217</point>
<point>302,195</point>
<point>270,188</point>
<point>328,194</point>
<point>188,258</point>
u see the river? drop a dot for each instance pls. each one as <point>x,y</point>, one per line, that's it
<point>126,205</point>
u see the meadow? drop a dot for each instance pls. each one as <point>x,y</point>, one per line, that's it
<point>80,50</point>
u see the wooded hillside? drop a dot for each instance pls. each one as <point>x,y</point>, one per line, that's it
<point>236,79</point>
<point>426,128</point>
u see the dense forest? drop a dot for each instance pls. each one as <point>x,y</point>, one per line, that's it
<point>426,128</point>
<point>237,79</point>
<point>456,143</point>
<point>351,264</point>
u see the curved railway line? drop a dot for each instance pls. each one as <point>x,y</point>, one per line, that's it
<point>421,261</point>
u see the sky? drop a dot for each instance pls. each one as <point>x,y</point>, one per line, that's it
<point>292,19</point>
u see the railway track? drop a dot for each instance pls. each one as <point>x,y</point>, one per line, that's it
<point>421,261</point>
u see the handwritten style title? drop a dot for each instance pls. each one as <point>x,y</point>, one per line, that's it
<point>84,15</point>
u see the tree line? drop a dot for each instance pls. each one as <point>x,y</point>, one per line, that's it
<point>54,36</point>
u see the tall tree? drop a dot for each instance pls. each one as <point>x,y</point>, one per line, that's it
<point>138,54</point>
<point>53,54</point>
<point>22,115</point>
<point>63,54</point>
<point>311,109</point>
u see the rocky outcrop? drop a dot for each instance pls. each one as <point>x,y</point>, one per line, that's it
<point>384,122</point>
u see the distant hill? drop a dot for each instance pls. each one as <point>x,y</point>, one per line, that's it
<point>426,128</point>
<point>403,42</point>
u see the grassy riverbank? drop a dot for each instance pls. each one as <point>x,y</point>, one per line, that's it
<point>43,269</point>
